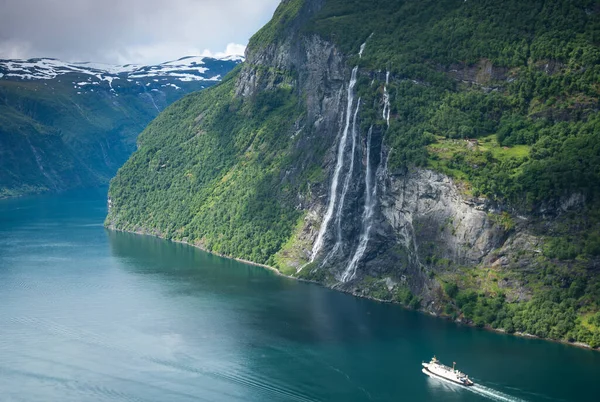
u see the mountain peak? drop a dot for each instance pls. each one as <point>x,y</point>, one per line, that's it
<point>188,68</point>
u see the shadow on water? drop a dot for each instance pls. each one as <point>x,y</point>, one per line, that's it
<point>301,312</point>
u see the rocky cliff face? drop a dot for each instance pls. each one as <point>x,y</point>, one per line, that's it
<point>371,222</point>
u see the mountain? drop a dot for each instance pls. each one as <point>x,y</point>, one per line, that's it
<point>440,154</point>
<point>66,125</point>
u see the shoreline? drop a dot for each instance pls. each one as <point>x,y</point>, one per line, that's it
<point>243,261</point>
<point>580,345</point>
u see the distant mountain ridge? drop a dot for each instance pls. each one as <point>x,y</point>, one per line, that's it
<point>65,124</point>
<point>189,68</point>
<point>163,75</point>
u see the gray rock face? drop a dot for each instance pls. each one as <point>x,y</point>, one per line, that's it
<point>433,221</point>
<point>430,208</point>
<point>421,223</point>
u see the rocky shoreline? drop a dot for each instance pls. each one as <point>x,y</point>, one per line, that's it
<point>357,294</point>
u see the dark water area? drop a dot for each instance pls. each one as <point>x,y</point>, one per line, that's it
<point>88,314</point>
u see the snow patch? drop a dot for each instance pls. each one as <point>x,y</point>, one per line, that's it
<point>186,69</point>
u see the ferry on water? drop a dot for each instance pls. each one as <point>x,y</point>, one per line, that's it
<point>436,369</point>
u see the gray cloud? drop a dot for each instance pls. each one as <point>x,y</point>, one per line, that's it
<point>127,31</point>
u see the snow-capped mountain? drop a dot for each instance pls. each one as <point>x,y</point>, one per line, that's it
<point>85,76</point>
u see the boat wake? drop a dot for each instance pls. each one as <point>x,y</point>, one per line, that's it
<point>478,389</point>
<point>493,394</point>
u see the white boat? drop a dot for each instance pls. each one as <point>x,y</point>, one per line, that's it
<point>436,369</point>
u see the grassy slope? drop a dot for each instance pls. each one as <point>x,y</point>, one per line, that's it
<point>209,172</point>
<point>210,169</point>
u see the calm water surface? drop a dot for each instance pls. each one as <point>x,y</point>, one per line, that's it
<point>92,315</point>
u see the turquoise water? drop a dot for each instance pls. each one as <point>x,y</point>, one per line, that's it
<point>88,314</point>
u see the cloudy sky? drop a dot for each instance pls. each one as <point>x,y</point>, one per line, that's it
<point>128,31</point>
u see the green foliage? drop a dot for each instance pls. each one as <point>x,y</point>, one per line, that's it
<point>547,315</point>
<point>54,136</point>
<point>504,220</point>
<point>595,320</point>
<point>208,171</point>
<point>507,33</point>
<point>403,295</point>
<point>278,25</point>
<point>576,236</point>
<point>415,303</point>
<point>314,273</point>
<point>531,72</point>
<point>451,289</point>
<point>557,310</point>
<point>561,248</point>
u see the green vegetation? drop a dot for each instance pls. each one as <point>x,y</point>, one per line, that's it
<point>528,75</point>
<point>278,26</point>
<point>502,96</point>
<point>576,236</point>
<point>404,296</point>
<point>54,136</point>
<point>549,314</point>
<point>208,171</point>
<point>550,301</point>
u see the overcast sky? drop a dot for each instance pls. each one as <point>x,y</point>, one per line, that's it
<point>128,31</point>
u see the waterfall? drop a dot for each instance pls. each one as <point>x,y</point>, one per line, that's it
<point>347,180</point>
<point>362,49</point>
<point>386,100</point>
<point>367,218</point>
<point>340,207</point>
<point>338,167</point>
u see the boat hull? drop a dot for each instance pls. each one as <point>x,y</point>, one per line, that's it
<point>439,377</point>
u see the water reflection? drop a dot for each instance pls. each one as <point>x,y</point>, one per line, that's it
<point>302,313</point>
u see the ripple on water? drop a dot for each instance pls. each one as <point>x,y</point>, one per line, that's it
<point>265,386</point>
<point>64,332</point>
<point>51,245</point>
<point>83,389</point>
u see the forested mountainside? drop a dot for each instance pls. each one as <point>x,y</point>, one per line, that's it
<point>66,125</point>
<point>443,154</point>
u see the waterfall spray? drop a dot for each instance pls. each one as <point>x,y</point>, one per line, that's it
<point>362,47</point>
<point>367,218</point>
<point>349,174</point>
<point>386,100</point>
<point>338,167</point>
<point>318,245</point>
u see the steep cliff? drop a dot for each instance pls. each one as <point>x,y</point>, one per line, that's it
<point>443,155</point>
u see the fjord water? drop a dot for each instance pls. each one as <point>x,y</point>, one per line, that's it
<point>88,314</point>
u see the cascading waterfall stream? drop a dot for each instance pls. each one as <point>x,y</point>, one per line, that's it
<point>318,245</point>
<point>370,191</point>
<point>367,218</point>
<point>386,100</point>
<point>362,47</point>
<point>338,168</point>
<point>347,180</point>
